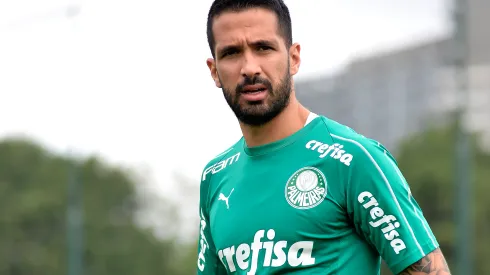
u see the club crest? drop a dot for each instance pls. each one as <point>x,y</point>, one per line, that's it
<point>306,188</point>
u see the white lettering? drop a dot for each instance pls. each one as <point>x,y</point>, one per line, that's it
<point>363,195</point>
<point>387,223</point>
<point>217,167</point>
<point>276,253</point>
<point>371,203</point>
<point>269,247</point>
<point>308,145</point>
<point>376,212</point>
<point>334,151</point>
<point>242,254</point>
<point>279,253</point>
<point>346,159</point>
<point>229,253</point>
<point>398,245</point>
<point>322,148</point>
<point>256,247</point>
<point>385,219</point>
<point>203,243</point>
<point>304,258</point>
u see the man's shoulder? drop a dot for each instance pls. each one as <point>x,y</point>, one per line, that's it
<point>349,141</point>
<point>222,160</point>
<point>338,133</point>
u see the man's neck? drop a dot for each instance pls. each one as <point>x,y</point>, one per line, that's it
<point>288,122</point>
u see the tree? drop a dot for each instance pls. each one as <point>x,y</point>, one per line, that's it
<point>428,163</point>
<point>33,203</point>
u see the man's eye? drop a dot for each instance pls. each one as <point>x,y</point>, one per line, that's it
<point>228,53</point>
<point>264,48</point>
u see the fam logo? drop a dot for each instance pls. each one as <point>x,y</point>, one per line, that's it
<point>306,188</point>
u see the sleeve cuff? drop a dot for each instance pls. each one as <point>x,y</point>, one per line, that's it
<point>413,257</point>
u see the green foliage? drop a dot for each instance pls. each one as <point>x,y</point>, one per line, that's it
<point>428,162</point>
<point>33,205</point>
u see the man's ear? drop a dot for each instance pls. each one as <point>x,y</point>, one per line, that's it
<point>294,58</point>
<point>214,72</point>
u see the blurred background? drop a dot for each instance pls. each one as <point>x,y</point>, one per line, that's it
<point>108,115</point>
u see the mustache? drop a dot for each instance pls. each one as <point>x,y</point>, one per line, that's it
<point>253,81</point>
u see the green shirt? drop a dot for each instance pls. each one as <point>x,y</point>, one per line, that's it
<point>325,200</point>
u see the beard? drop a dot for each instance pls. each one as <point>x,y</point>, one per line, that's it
<point>260,112</point>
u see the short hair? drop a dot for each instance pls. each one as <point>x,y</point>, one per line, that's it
<point>277,6</point>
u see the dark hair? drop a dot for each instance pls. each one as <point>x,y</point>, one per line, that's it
<point>277,6</point>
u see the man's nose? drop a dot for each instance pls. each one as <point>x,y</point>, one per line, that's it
<point>251,66</point>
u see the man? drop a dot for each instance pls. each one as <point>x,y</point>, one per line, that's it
<point>299,193</point>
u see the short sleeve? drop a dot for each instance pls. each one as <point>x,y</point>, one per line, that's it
<point>381,206</point>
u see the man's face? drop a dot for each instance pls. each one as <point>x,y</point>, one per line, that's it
<point>252,64</point>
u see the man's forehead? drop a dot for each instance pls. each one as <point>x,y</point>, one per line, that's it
<point>255,24</point>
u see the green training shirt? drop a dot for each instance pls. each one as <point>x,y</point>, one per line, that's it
<point>325,200</point>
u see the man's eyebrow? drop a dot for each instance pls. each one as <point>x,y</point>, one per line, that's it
<point>257,43</point>
<point>263,42</point>
<point>228,48</point>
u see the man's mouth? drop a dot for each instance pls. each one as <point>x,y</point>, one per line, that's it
<point>253,89</point>
<point>254,93</point>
